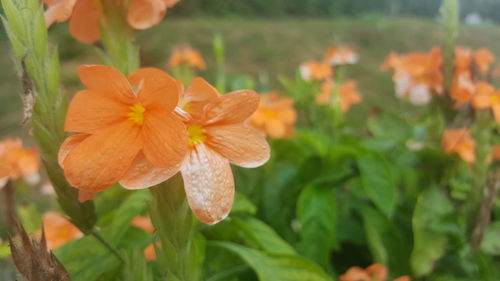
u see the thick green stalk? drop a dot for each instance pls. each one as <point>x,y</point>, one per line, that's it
<point>40,72</point>
<point>174,224</point>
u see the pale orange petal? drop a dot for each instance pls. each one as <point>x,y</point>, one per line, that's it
<point>142,174</point>
<point>102,159</point>
<point>232,108</point>
<point>150,253</point>
<point>198,94</point>
<point>157,89</point>
<point>143,14</point>
<point>275,128</point>
<point>209,184</point>
<point>377,272</point>
<point>84,23</point>
<point>68,145</point>
<point>355,273</point>
<point>106,80</point>
<point>143,223</point>
<point>165,139</point>
<point>240,144</point>
<point>90,111</point>
<point>84,196</point>
<point>58,11</point>
<point>481,101</point>
<point>170,3</point>
<point>403,278</point>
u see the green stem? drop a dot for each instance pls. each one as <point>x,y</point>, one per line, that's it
<point>174,224</point>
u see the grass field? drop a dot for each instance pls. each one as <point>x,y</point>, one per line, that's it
<point>263,49</point>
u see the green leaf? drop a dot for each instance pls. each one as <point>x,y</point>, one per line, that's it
<point>243,205</point>
<point>377,181</point>
<point>273,267</point>
<point>431,209</point>
<point>317,215</point>
<point>262,236</point>
<point>491,242</point>
<point>374,227</point>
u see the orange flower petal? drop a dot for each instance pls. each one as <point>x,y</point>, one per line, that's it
<point>170,3</point>
<point>199,93</point>
<point>58,10</point>
<point>106,80</point>
<point>240,144</point>
<point>165,139</point>
<point>102,159</point>
<point>84,196</point>
<point>150,253</point>
<point>143,14</point>
<point>69,144</point>
<point>377,272</point>
<point>142,174</point>
<point>403,278</point>
<point>156,88</point>
<point>84,22</point>
<point>209,184</point>
<point>58,230</point>
<point>90,111</point>
<point>275,128</point>
<point>481,101</point>
<point>232,108</point>
<point>143,223</point>
<point>355,273</point>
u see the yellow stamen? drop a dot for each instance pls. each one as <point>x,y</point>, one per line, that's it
<point>495,99</point>
<point>136,113</point>
<point>270,113</point>
<point>196,134</point>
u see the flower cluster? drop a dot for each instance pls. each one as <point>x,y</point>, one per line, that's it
<point>85,16</point>
<point>275,116</point>
<point>142,129</point>
<point>375,272</point>
<point>416,75</point>
<point>17,161</point>
<point>185,55</point>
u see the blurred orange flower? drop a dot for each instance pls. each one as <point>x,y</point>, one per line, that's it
<point>341,55</point>
<point>275,116</point>
<point>85,16</point>
<point>416,75</point>
<point>188,56</point>
<point>218,135</point>
<point>348,93</point>
<point>58,230</point>
<point>375,272</point>
<point>315,70</point>
<point>124,135</point>
<point>496,152</point>
<point>17,161</point>
<point>462,89</point>
<point>483,58</point>
<point>459,141</point>
<point>487,97</point>
<point>143,223</point>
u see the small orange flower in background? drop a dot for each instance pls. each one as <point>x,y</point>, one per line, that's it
<point>340,55</point>
<point>416,75</point>
<point>145,224</point>
<point>459,141</point>
<point>275,116</point>
<point>58,230</point>
<point>375,272</point>
<point>17,161</point>
<point>315,70</point>
<point>86,16</point>
<point>487,97</point>
<point>483,58</point>
<point>186,55</point>
<point>123,135</point>
<point>496,153</point>
<point>348,93</point>
<point>218,135</point>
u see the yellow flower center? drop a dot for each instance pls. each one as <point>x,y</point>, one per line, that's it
<point>196,134</point>
<point>136,113</point>
<point>270,113</point>
<point>495,99</point>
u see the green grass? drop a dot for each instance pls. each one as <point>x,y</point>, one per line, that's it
<point>263,49</point>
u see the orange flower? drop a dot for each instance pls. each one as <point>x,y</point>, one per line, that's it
<point>143,223</point>
<point>58,230</point>
<point>416,75</point>
<point>86,16</point>
<point>355,273</point>
<point>377,272</point>
<point>403,278</point>
<point>462,89</point>
<point>17,161</point>
<point>459,141</point>
<point>483,58</point>
<point>217,136</point>
<point>275,116</point>
<point>341,55</point>
<point>348,93</point>
<point>486,97</point>
<point>496,152</point>
<point>463,60</point>
<point>150,252</point>
<point>186,55</point>
<point>124,135</point>
<point>315,70</point>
